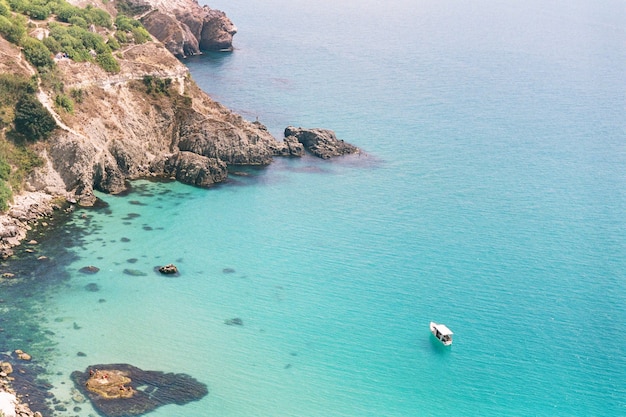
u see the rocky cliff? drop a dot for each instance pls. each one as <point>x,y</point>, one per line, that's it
<point>122,130</point>
<point>185,27</point>
<point>150,119</point>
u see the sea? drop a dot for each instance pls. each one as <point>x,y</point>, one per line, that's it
<point>490,196</point>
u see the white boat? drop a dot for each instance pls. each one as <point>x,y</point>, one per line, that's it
<point>442,333</point>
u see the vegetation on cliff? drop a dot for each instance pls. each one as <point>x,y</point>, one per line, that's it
<point>70,32</point>
<point>30,121</point>
<point>81,34</point>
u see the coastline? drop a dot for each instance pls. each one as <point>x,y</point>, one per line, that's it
<point>10,403</point>
<point>28,209</point>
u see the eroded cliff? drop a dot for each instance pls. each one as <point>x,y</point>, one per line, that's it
<point>148,119</point>
<point>185,27</point>
<point>126,128</point>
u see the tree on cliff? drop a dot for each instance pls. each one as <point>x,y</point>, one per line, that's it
<point>32,119</point>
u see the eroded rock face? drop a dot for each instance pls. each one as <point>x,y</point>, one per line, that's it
<point>176,37</point>
<point>118,390</point>
<point>320,142</point>
<point>191,168</point>
<point>121,131</point>
<point>186,28</point>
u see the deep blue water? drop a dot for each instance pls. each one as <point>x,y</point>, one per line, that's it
<point>491,198</point>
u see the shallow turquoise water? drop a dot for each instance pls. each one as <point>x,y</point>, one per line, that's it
<point>491,199</point>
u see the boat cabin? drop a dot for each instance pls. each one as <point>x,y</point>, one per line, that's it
<point>441,332</point>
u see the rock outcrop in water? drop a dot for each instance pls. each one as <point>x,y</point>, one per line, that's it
<point>320,142</point>
<point>119,390</point>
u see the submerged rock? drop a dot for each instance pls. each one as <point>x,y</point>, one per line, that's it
<point>124,390</point>
<point>89,269</point>
<point>134,272</point>
<point>234,322</point>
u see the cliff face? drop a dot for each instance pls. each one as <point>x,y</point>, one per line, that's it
<point>185,27</point>
<point>150,119</point>
<point>122,130</point>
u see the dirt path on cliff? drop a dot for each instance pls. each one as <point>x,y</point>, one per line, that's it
<point>47,103</point>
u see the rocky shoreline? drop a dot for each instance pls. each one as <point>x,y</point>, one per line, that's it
<point>27,210</point>
<point>11,403</point>
<point>34,207</point>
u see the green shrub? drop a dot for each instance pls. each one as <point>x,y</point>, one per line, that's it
<point>18,5</point>
<point>98,17</point>
<point>64,102</point>
<point>5,170</point>
<point>79,21</point>
<point>13,28</point>
<point>52,44</point>
<point>121,36</point>
<point>4,9</point>
<point>32,119</point>
<point>6,196</point>
<point>124,7</point>
<point>126,24</point>
<point>38,12</point>
<point>77,94</point>
<point>108,63</point>
<point>13,87</point>
<point>37,53</point>
<point>155,85</point>
<point>65,12</point>
<point>23,161</point>
<point>113,43</point>
<point>71,41</point>
<point>141,35</point>
<point>7,115</point>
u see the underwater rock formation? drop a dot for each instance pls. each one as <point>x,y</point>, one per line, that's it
<point>119,390</point>
<point>89,269</point>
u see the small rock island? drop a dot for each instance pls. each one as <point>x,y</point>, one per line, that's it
<point>109,384</point>
<point>120,390</point>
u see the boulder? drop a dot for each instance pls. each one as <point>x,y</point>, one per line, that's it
<point>6,368</point>
<point>194,169</point>
<point>186,28</point>
<point>291,147</point>
<point>320,142</point>
<point>169,269</point>
<point>22,355</point>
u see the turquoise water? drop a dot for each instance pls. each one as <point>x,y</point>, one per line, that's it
<point>491,199</point>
